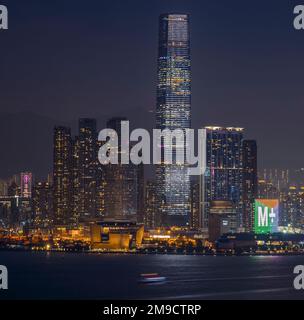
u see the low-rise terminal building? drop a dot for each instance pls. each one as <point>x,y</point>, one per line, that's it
<point>116,235</point>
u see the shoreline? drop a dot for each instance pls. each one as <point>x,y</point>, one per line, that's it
<point>133,252</point>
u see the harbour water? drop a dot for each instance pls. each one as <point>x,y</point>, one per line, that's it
<point>49,275</point>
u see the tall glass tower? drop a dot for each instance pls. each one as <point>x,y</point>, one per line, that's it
<point>250,182</point>
<point>173,112</point>
<point>223,180</point>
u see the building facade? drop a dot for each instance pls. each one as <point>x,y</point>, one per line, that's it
<point>292,208</point>
<point>222,219</point>
<point>250,183</point>
<point>123,185</point>
<point>173,111</point>
<point>62,176</point>
<point>42,204</point>
<point>87,167</point>
<point>223,179</point>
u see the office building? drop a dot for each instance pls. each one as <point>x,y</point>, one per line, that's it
<point>173,111</point>
<point>250,183</point>
<point>223,179</point>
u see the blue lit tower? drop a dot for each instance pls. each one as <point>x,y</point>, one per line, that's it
<point>173,112</point>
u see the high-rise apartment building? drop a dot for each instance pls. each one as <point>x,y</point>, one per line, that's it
<point>123,185</point>
<point>62,176</point>
<point>42,202</point>
<point>86,167</point>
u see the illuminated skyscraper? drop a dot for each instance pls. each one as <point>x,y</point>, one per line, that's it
<point>173,112</point>
<point>75,205</point>
<point>62,175</point>
<point>250,182</point>
<point>42,204</point>
<point>224,175</point>
<point>87,162</point>
<point>100,185</point>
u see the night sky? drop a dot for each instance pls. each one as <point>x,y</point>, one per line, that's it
<point>65,59</point>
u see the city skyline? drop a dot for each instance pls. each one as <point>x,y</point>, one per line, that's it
<point>151,150</point>
<point>85,189</point>
<point>82,188</point>
<point>231,175</point>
